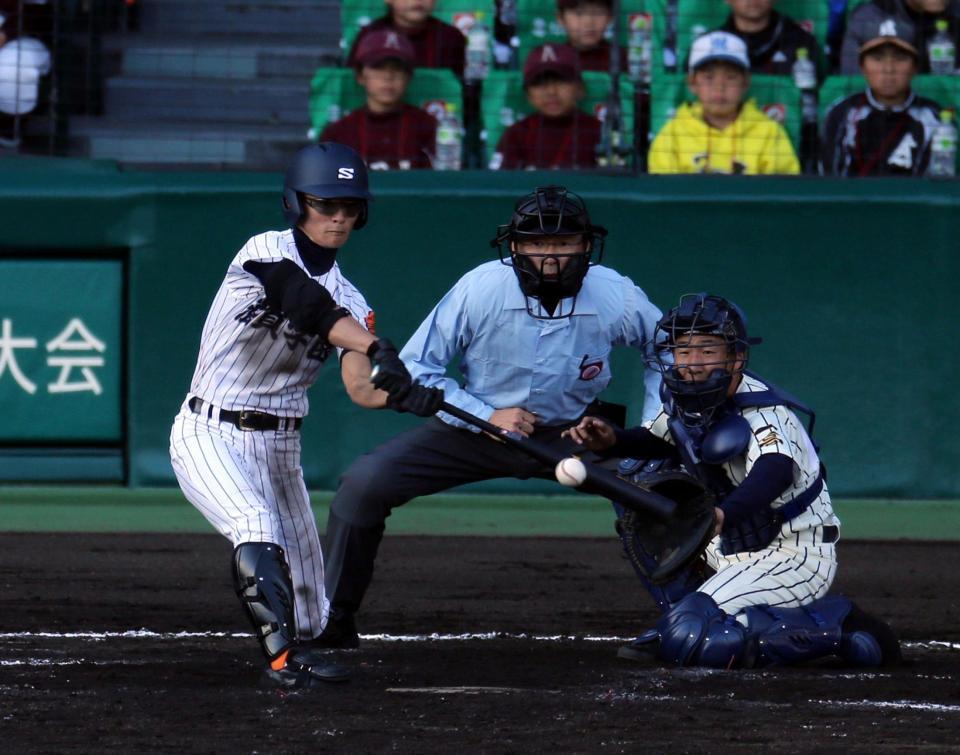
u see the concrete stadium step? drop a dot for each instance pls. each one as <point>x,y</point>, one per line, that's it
<point>179,144</point>
<point>254,101</point>
<point>234,57</point>
<point>276,18</point>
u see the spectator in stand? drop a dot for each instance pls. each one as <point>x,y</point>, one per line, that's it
<point>558,134</point>
<point>720,132</point>
<point>24,60</point>
<point>772,39</point>
<point>920,15</point>
<point>435,44</point>
<point>388,133</point>
<point>586,22</point>
<point>886,129</point>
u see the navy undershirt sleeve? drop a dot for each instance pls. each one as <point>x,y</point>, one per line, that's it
<point>769,477</point>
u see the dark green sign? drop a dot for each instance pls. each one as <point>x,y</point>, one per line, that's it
<point>60,350</point>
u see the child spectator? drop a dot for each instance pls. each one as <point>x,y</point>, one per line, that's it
<point>435,44</point>
<point>720,133</point>
<point>387,132</point>
<point>886,129</point>
<point>558,134</point>
<point>586,22</point>
<point>772,39</point>
<point>920,15</point>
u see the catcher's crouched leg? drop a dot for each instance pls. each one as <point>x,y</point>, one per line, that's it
<point>262,582</point>
<point>696,632</point>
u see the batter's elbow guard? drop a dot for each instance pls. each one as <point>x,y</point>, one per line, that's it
<point>311,308</point>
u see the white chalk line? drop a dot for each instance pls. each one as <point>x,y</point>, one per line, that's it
<point>895,704</point>
<point>149,634</point>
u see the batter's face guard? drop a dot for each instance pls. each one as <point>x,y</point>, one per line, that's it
<point>327,171</point>
<point>701,345</point>
<point>558,216</point>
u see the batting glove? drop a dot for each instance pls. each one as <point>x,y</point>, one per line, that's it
<point>420,400</point>
<point>389,373</point>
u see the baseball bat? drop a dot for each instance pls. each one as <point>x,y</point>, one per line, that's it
<point>600,480</point>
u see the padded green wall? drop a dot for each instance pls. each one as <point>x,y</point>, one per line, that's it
<point>851,284</point>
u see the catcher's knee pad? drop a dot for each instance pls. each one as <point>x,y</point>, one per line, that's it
<point>262,581</point>
<point>696,632</point>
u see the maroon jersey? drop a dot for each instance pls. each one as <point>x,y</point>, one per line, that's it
<point>438,45</point>
<point>403,139</point>
<point>547,143</point>
<point>598,58</point>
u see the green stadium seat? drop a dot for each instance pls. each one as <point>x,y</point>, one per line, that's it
<point>355,15</point>
<point>505,102</point>
<point>775,95</point>
<point>334,92</point>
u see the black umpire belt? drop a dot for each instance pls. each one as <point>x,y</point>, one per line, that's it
<point>245,420</point>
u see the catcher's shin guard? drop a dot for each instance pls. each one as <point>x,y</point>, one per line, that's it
<point>262,581</point>
<point>696,632</point>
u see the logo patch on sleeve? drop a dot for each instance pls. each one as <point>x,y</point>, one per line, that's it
<point>770,439</point>
<point>589,369</point>
<point>371,321</point>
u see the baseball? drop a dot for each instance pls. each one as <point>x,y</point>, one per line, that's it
<point>571,472</point>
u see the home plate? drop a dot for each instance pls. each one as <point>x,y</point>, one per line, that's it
<point>467,690</point>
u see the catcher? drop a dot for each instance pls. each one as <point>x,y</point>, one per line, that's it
<point>773,555</point>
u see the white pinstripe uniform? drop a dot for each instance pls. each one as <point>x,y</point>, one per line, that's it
<point>797,567</point>
<point>249,484</point>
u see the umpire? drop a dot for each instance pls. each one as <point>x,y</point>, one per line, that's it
<point>533,333</point>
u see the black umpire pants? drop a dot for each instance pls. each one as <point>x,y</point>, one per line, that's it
<point>426,459</point>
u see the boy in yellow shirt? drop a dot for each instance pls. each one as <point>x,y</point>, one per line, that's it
<point>720,133</point>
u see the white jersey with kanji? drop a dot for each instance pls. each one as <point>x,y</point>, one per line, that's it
<point>249,484</point>
<point>253,359</point>
<point>798,566</point>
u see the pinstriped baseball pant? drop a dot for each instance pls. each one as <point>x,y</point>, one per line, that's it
<point>789,572</point>
<point>249,486</point>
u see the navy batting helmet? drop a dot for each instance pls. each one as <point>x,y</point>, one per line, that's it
<point>329,171</point>
<point>550,211</point>
<point>696,401</point>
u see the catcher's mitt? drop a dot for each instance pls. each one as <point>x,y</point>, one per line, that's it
<point>660,549</point>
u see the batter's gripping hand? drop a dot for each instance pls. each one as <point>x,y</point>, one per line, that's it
<point>420,400</point>
<point>389,373</point>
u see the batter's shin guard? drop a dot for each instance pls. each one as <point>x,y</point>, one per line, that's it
<point>349,554</point>
<point>262,581</point>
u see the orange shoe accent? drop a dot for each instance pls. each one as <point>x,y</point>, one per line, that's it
<point>280,661</point>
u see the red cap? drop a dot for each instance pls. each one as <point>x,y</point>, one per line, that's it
<point>385,44</point>
<point>562,60</point>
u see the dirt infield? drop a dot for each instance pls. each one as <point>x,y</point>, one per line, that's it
<point>135,643</point>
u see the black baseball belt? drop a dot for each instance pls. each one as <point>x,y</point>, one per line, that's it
<point>246,420</point>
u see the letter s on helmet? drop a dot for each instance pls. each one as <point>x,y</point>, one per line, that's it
<point>329,171</point>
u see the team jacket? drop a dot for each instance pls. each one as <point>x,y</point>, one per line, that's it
<point>861,137</point>
<point>863,22</point>
<point>774,49</point>
<point>598,58</point>
<point>554,368</point>
<point>403,139</point>
<point>754,144</point>
<point>437,45</point>
<point>538,142</point>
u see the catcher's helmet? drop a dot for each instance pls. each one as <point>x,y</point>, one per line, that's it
<point>329,171</point>
<point>550,211</point>
<point>695,402</point>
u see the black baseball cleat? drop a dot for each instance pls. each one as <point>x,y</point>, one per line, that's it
<point>868,641</point>
<point>340,632</point>
<point>643,648</point>
<point>305,669</point>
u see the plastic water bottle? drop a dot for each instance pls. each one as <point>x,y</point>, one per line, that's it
<point>804,71</point>
<point>941,50</point>
<point>478,51</point>
<point>943,147</point>
<point>508,12</point>
<point>639,49</point>
<point>449,140</point>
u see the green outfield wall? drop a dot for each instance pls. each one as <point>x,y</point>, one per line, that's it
<point>850,283</point>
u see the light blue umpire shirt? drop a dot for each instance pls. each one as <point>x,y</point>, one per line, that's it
<point>553,368</point>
